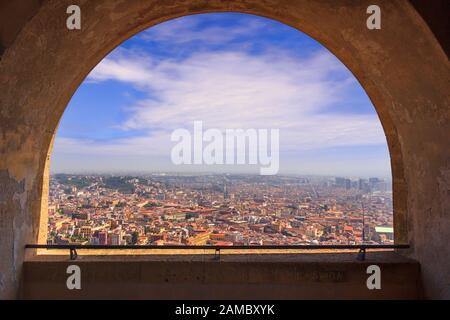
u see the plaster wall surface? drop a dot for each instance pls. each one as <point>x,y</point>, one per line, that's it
<point>402,67</point>
<point>233,277</point>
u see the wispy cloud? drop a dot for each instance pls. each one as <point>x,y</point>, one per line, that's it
<point>239,90</point>
<point>188,29</point>
<point>229,88</point>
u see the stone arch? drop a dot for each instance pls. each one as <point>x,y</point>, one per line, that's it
<point>399,66</point>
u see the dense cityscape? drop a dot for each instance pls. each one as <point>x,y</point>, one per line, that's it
<point>214,209</point>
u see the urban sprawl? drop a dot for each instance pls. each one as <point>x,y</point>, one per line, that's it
<point>218,209</point>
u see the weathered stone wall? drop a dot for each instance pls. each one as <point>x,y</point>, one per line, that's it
<point>309,276</point>
<point>402,68</point>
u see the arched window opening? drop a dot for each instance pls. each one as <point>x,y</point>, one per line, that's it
<point>220,129</point>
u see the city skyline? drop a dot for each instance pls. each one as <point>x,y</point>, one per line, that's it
<point>218,209</point>
<point>193,173</point>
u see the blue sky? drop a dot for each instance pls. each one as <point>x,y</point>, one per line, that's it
<point>228,70</point>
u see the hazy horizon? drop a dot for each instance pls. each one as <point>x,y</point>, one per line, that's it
<point>198,173</point>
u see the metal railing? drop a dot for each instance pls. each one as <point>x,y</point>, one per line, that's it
<point>73,248</point>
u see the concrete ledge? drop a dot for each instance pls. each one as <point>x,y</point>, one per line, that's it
<point>309,276</point>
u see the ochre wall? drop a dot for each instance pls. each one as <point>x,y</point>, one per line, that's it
<point>402,68</point>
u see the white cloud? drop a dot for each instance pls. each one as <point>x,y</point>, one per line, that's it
<point>189,29</point>
<point>235,89</point>
<point>230,89</point>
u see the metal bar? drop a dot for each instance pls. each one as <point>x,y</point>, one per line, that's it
<point>211,247</point>
<point>361,254</point>
<point>73,254</point>
<point>73,248</point>
<point>217,254</point>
